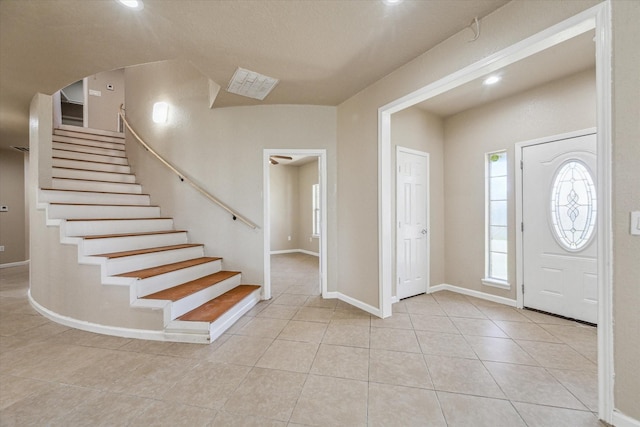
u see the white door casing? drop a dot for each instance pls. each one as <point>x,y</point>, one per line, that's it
<point>412,215</point>
<point>559,233</point>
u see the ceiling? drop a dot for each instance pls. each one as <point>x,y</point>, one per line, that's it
<point>562,60</point>
<point>323,52</point>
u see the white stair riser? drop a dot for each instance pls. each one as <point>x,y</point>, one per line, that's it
<point>97,228</point>
<point>139,262</point>
<point>164,281</point>
<point>185,305</point>
<point>88,149</point>
<point>130,243</point>
<point>110,187</point>
<point>55,196</point>
<point>104,132</point>
<point>89,212</point>
<point>93,175</point>
<point>88,142</point>
<point>78,164</point>
<point>88,136</point>
<point>87,157</point>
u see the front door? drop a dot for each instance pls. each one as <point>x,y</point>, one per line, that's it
<point>559,209</point>
<point>412,196</point>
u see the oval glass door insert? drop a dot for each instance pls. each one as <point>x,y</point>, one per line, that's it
<point>573,205</point>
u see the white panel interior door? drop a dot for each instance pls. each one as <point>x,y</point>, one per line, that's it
<point>559,236</point>
<point>412,207</point>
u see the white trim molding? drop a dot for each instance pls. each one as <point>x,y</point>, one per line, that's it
<point>354,302</point>
<point>295,251</point>
<point>622,420</point>
<point>476,294</point>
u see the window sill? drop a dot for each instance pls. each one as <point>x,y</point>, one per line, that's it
<point>496,283</point>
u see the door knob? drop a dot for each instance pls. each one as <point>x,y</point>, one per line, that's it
<point>424,231</point>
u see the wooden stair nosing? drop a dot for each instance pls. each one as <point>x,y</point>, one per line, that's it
<point>145,233</point>
<point>167,268</point>
<point>88,161</point>
<point>93,154</point>
<point>95,192</point>
<point>214,309</point>
<point>90,170</point>
<point>88,136</point>
<point>189,288</point>
<point>116,219</point>
<point>93,180</point>
<point>114,255</point>
<point>89,146</point>
<point>102,204</point>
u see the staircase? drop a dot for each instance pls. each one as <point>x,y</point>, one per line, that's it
<point>96,202</point>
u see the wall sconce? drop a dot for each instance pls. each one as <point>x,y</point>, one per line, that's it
<point>160,112</point>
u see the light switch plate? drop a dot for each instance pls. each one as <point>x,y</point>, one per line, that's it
<point>635,223</point>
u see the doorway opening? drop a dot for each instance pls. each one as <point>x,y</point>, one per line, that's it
<point>295,219</point>
<point>594,20</point>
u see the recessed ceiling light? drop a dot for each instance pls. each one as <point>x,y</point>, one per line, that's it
<point>491,80</point>
<point>391,2</point>
<point>251,84</point>
<point>132,4</point>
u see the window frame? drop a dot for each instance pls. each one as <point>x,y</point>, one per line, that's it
<point>490,278</point>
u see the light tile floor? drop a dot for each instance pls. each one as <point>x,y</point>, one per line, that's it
<point>441,360</point>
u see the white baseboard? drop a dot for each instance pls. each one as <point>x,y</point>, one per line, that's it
<point>472,293</point>
<point>14,264</point>
<point>395,300</point>
<point>294,251</point>
<point>354,302</point>
<point>143,334</point>
<point>622,420</point>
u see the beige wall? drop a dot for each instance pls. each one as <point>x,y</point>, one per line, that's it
<point>103,110</point>
<point>222,150</point>
<point>284,207</point>
<point>12,195</point>
<point>626,197</point>
<point>561,106</point>
<point>420,130</point>
<point>358,126</point>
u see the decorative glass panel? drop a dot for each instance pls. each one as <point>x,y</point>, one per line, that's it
<point>496,205</point>
<point>573,205</point>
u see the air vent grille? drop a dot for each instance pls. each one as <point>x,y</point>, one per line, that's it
<point>251,84</point>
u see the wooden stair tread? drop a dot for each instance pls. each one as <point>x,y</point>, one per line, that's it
<point>185,289</point>
<point>167,268</point>
<point>145,233</point>
<point>93,180</point>
<point>90,170</point>
<point>101,204</point>
<point>148,250</point>
<point>92,191</point>
<point>88,161</point>
<point>212,310</point>
<point>92,154</point>
<point>116,219</point>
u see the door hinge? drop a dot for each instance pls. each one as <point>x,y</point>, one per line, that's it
<point>523,289</point>
<point>522,226</point>
<point>521,165</point>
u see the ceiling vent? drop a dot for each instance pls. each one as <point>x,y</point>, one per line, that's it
<point>23,149</point>
<point>251,84</point>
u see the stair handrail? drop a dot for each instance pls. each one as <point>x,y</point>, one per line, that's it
<point>183,177</point>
